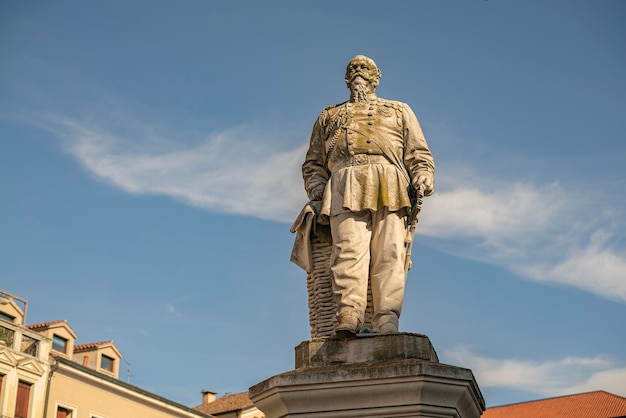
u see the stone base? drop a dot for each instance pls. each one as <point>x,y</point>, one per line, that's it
<point>366,348</point>
<point>388,376</point>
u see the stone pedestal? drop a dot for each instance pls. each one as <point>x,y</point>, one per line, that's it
<point>397,375</point>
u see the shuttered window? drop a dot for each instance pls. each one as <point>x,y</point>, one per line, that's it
<point>22,401</point>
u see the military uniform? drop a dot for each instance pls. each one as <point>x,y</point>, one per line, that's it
<point>363,160</point>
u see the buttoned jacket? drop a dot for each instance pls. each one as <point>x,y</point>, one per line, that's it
<point>366,156</point>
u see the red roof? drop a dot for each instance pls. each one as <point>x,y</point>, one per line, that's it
<point>226,403</point>
<point>598,404</point>
<point>45,324</point>
<point>91,346</point>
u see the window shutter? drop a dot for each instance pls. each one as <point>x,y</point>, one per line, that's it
<point>23,397</point>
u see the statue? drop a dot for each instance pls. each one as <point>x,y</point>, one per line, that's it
<point>366,169</point>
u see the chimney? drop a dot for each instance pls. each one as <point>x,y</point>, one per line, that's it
<point>208,396</point>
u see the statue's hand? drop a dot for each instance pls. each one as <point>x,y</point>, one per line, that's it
<point>317,193</point>
<point>426,183</point>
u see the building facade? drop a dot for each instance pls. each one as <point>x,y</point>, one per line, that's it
<point>45,374</point>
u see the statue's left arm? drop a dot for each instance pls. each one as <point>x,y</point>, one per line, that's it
<point>314,169</point>
<point>418,159</point>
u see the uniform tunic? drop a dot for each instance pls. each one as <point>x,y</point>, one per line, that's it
<point>365,157</point>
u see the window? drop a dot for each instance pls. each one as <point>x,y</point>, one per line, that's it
<point>59,344</point>
<point>106,363</point>
<point>6,317</point>
<point>63,412</point>
<point>23,399</point>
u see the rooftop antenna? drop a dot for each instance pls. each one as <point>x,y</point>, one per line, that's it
<point>128,375</point>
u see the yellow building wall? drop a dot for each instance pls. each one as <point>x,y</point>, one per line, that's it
<point>88,396</point>
<point>252,412</point>
<point>88,392</point>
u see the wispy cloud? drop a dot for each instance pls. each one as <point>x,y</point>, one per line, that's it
<point>172,306</point>
<point>235,171</point>
<point>551,378</point>
<point>541,232</point>
<point>171,309</point>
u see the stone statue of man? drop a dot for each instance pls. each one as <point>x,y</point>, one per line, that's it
<point>366,159</point>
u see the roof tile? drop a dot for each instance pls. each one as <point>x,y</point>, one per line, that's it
<point>90,346</point>
<point>226,403</point>
<point>598,404</point>
<point>43,325</point>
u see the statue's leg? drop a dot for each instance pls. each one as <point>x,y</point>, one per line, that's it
<point>350,262</point>
<point>387,268</point>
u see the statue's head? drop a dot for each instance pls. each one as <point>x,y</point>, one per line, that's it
<point>364,67</point>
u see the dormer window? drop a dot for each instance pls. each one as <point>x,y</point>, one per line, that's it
<point>106,363</point>
<point>7,317</point>
<point>101,356</point>
<point>59,344</point>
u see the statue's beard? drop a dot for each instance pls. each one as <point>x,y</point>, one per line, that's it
<point>358,93</point>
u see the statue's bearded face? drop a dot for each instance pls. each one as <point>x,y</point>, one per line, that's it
<point>362,77</point>
<point>363,67</point>
<point>360,88</point>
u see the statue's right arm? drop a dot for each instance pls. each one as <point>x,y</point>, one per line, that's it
<point>314,172</point>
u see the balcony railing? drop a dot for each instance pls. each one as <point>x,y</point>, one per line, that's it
<point>6,335</point>
<point>29,345</point>
<point>18,339</point>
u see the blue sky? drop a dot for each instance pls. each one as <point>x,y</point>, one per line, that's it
<point>149,172</point>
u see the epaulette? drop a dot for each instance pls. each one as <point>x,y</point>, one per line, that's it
<point>326,113</point>
<point>390,103</point>
<point>333,106</point>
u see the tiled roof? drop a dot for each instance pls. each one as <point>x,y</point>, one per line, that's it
<point>598,404</point>
<point>45,324</point>
<point>226,403</point>
<point>90,346</point>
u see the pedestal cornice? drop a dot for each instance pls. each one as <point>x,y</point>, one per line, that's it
<point>336,378</point>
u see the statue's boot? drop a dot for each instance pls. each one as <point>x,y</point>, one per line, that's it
<point>388,328</point>
<point>348,327</point>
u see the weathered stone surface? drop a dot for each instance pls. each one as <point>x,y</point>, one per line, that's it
<point>396,375</point>
<point>407,388</point>
<point>366,171</point>
<point>368,348</point>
